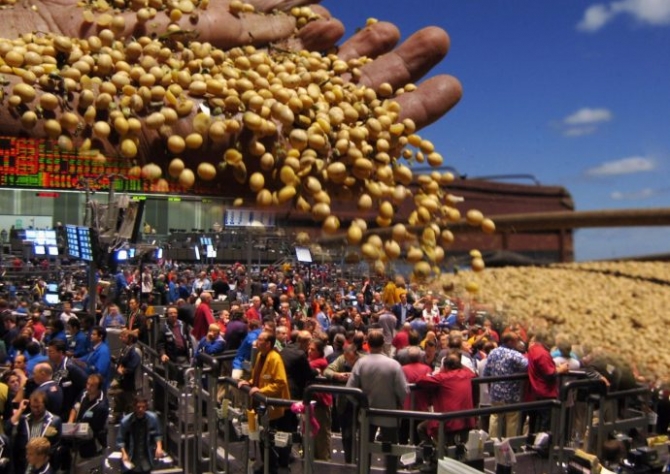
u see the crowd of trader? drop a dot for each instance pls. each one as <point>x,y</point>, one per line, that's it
<point>379,336</point>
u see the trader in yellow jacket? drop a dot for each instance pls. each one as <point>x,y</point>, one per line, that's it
<point>269,378</point>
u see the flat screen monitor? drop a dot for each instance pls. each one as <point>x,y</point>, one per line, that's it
<point>131,253</point>
<point>85,243</point>
<point>52,250</point>
<point>211,252</point>
<point>52,288</point>
<point>51,299</point>
<point>50,237</point>
<point>158,254</point>
<point>197,252</point>
<point>121,255</point>
<point>303,255</point>
<point>72,241</point>
<point>31,235</point>
<point>40,249</point>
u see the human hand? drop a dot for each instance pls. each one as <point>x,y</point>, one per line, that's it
<point>136,88</point>
<point>164,358</point>
<point>563,368</point>
<point>342,376</point>
<point>214,22</point>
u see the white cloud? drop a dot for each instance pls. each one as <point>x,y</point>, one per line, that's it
<point>647,12</point>
<point>584,121</point>
<point>633,196</point>
<point>579,131</point>
<point>585,116</point>
<point>595,17</point>
<point>633,164</point>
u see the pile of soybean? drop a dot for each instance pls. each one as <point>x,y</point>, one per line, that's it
<point>621,307</point>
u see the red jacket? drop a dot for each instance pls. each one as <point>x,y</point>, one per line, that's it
<point>542,379</point>
<point>452,391</point>
<point>203,318</point>
<point>401,340</point>
<point>413,373</point>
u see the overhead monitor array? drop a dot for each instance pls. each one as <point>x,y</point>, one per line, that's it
<point>41,242</point>
<point>82,243</point>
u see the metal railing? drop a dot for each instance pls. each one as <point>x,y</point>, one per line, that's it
<point>215,370</point>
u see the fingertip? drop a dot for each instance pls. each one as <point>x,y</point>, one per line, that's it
<point>321,35</point>
<point>432,99</point>
<point>371,41</point>
<point>437,37</point>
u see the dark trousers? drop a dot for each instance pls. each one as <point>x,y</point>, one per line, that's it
<point>404,432</point>
<point>347,419</point>
<point>388,434</point>
<point>539,421</point>
<point>289,424</point>
<point>274,458</point>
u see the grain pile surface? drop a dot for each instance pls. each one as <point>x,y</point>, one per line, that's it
<point>623,307</point>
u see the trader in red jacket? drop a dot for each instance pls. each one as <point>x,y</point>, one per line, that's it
<point>451,390</point>
<point>543,380</point>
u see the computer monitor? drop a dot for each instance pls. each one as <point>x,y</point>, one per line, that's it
<point>51,299</point>
<point>121,255</point>
<point>31,235</point>
<point>72,241</point>
<point>211,252</point>
<point>85,244</point>
<point>303,255</point>
<point>40,249</point>
<point>52,250</point>
<point>131,253</point>
<point>50,237</point>
<point>52,288</point>
<point>197,252</point>
<point>158,253</point>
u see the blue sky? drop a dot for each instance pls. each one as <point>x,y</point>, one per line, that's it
<point>576,93</point>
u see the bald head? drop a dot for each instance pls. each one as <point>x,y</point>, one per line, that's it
<point>42,372</point>
<point>303,339</point>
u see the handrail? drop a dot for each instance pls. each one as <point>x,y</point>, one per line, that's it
<point>628,393</point>
<point>452,415</point>
<point>268,401</point>
<point>357,393</point>
<point>566,387</point>
<point>336,390</point>
<point>212,365</point>
<point>278,402</point>
<point>444,417</point>
<point>148,349</point>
